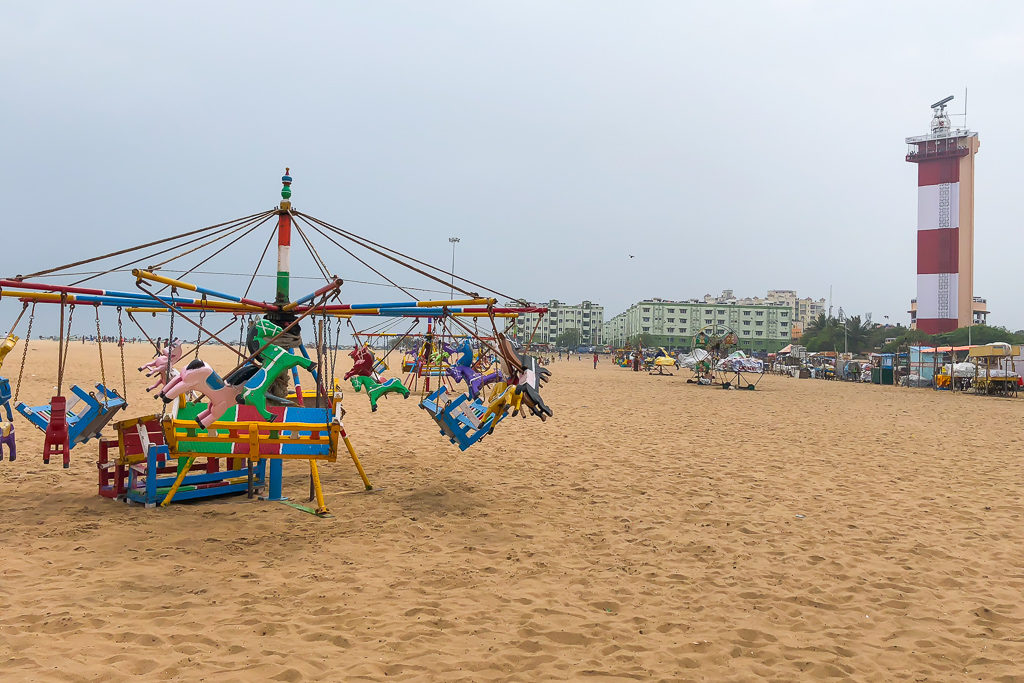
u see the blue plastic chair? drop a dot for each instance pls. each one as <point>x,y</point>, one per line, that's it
<point>456,417</point>
<point>87,415</point>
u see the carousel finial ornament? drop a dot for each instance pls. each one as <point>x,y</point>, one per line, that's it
<point>286,189</point>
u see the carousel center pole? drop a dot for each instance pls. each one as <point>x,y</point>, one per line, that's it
<point>281,298</point>
<point>284,241</point>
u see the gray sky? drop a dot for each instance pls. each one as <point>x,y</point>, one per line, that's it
<point>727,145</point>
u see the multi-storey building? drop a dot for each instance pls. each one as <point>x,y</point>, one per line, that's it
<point>804,309</point>
<point>587,317</point>
<point>672,324</point>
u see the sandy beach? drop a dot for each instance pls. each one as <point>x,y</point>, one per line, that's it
<point>653,530</point>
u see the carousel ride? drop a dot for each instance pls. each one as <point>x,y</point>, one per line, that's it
<point>228,430</point>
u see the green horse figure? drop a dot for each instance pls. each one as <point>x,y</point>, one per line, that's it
<point>274,360</point>
<point>363,378</point>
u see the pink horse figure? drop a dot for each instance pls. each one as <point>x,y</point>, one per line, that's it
<point>200,377</point>
<point>159,365</point>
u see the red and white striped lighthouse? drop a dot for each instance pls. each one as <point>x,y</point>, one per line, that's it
<point>945,224</point>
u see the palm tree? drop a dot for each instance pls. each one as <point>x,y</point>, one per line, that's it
<point>817,325</point>
<point>857,333</point>
<point>821,334</point>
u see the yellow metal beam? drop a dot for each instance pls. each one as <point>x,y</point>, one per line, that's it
<point>149,275</point>
<point>321,506</point>
<point>177,481</point>
<point>456,302</point>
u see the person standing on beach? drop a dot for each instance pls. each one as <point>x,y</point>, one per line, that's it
<point>595,360</point>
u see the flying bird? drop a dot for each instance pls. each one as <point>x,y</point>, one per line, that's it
<point>631,256</point>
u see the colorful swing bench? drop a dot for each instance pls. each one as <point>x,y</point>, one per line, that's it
<point>98,409</point>
<point>461,419</point>
<point>242,439</point>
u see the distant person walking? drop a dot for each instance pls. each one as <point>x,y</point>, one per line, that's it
<point>595,361</point>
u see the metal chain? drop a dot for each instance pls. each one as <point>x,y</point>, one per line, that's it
<point>120,343</point>
<point>241,333</point>
<point>67,347</point>
<point>24,352</point>
<point>318,328</point>
<point>170,338</point>
<point>99,343</point>
<point>334,352</point>
<point>199,334</point>
<point>322,341</point>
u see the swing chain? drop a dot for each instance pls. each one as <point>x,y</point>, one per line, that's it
<point>24,351</point>
<point>325,338</point>
<point>120,343</point>
<point>241,334</point>
<point>67,346</point>
<point>99,343</point>
<point>170,338</point>
<point>334,351</point>
<point>199,334</point>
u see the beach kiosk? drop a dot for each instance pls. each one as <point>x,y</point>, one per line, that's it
<point>995,369</point>
<point>882,368</point>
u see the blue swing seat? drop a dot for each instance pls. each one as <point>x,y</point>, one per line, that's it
<point>85,421</point>
<point>453,416</point>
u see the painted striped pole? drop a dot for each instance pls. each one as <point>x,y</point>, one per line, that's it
<point>180,284</point>
<point>282,298</point>
<point>284,240</point>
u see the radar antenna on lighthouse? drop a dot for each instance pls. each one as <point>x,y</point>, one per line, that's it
<point>940,119</point>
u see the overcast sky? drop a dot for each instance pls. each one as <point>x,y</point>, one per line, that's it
<point>742,145</point>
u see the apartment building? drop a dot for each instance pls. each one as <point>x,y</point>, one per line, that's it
<point>672,324</point>
<point>804,310</point>
<point>587,317</point>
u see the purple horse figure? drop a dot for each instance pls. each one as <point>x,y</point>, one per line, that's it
<point>462,369</point>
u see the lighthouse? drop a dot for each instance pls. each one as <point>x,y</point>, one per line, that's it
<point>945,225</point>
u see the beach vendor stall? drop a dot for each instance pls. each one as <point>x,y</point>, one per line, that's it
<point>882,368</point>
<point>996,371</point>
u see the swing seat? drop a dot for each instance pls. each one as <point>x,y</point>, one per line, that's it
<point>459,419</point>
<point>86,416</point>
<point>6,346</point>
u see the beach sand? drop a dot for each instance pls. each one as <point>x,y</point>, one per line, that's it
<point>652,530</point>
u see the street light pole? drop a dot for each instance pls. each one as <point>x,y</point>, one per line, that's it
<point>454,241</point>
<point>845,321</point>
